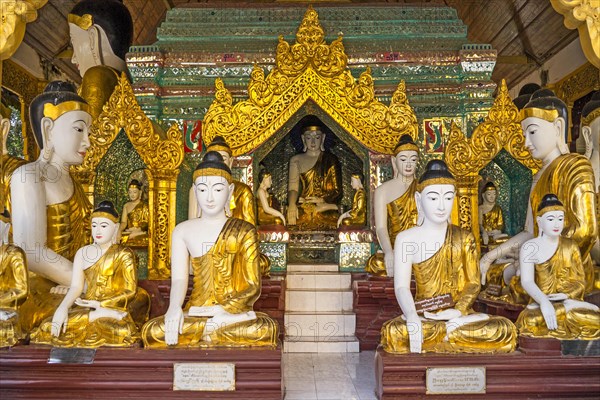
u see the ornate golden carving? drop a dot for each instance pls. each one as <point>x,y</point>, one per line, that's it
<point>577,84</point>
<point>583,15</point>
<point>309,70</point>
<point>161,152</point>
<point>465,157</point>
<point>16,14</point>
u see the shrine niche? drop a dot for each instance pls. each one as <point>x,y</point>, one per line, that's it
<point>159,152</point>
<point>498,134</point>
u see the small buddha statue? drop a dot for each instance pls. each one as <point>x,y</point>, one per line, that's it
<point>135,216</point>
<point>552,274</point>
<point>314,183</point>
<point>394,205</point>
<point>9,163</point>
<point>443,259</point>
<point>267,215</point>
<point>590,130</point>
<point>13,285</point>
<point>569,176</point>
<point>101,34</point>
<point>357,215</point>
<point>50,211</point>
<point>242,201</point>
<point>224,256</point>
<point>491,221</point>
<point>103,285</point>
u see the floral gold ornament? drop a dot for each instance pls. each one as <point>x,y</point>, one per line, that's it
<point>309,70</point>
<point>162,152</point>
<point>465,157</point>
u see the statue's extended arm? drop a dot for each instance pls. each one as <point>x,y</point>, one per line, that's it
<point>264,202</point>
<point>504,250</point>
<point>381,229</point>
<point>61,315</point>
<point>179,282</point>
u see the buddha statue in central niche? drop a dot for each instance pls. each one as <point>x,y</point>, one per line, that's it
<point>314,183</point>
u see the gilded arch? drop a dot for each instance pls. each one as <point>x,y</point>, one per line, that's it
<point>465,157</point>
<point>161,152</point>
<point>309,69</point>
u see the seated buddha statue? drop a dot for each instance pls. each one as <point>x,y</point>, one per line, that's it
<point>569,176</point>
<point>9,163</point>
<point>491,221</point>
<point>314,183</point>
<point>552,274</point>
<point>135,216</point>
<point>590,130</point>
<point>443,259</point>
<point>101,33</point>
<point>357,215</point>
<point>50,211</point>
<point>267,214</point>
<point>13,285</point>
<point>103,285</point>
<point>224,257</point>
<point>394,205</point>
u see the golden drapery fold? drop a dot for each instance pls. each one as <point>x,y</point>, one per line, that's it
<point>13,292</point>
<point>493,219</point>
<point>358,213</point>
<point>562,273</point>
<point>227,275</point>
<point>263,217</point>
<point>112,281</point>
<point>97,86</point>
<point>453,270</point>
<point>242,203</point>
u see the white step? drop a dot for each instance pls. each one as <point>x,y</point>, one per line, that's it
<point>318,300</point>
<point>311,344</point>
<point>319,324</point>
<point>312,268</point>
<point>320,280</point>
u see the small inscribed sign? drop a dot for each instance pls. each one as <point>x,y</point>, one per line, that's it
<point>455,380</point>
<point>71,355</point>
<point>434,303</point>
<point>204,376</point>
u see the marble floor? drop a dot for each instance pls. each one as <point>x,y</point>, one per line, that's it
<point>332,376</point>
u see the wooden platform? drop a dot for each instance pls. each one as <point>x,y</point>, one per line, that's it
<point>508,376</point>
<point>134,374</point>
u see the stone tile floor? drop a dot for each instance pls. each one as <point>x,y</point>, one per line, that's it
<point>331,376</point>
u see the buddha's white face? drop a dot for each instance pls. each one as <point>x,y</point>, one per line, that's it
<point>313,140</point>
<point>68,136</point>
<point>436,202</point>
<point>227,159</point>
<point>490,195</point>
<point>134,193</point>
<point>103,230</point>
<point>406,163</point>
<point>355,183</point>
<point>541,137</point>
<point>82,49</point>
<point>268,181</point>
<point>551,223</point>
<point>213,194</point>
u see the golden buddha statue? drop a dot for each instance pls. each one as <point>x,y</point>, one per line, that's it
<point>357,215</point>
<point>267,215</point>
<point>394,205</point>
<point>569,176</point>
<point>443,259</point>
<point>13,285</point>
<point>50,211</point>
<point>104,284</point>
<point>135,216</point>
<point>491,221</point>
<point>314,183</point>
<point>9,163</point>
<point>590,130</point>
<point>552,274</point>
<point>101,33</point>
<point>226,275</point>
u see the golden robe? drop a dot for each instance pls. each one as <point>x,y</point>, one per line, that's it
<point>9,165</point>
<point>112,281</point>
<point>493,220</point>
<point>571,178</point>
<point>265,218</point>
<point>228,275</point>
<point>454,269</point>
<point>358,213</point>
<point>562,273</point>
<point>97,86</point>
<point>68,229</point>
<point>401,215</point>
<point>13,292</point>
<point>242,203</point>
<point>137,218</point>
